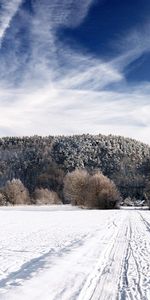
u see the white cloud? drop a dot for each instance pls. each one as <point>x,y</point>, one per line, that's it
<point>62,91</point>
<point>7,12</point>
<point>133,45</point>
<point>65,12</point>
<point>53,111</point>
<point>88,73</point>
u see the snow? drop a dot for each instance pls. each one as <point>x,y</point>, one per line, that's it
<point>67,253</point>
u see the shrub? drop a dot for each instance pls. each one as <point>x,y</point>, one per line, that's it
<point>94,191</point>
<point>45,196</point>
<point>102,192</point>
<point>16,193</point>
<point>75,187</point>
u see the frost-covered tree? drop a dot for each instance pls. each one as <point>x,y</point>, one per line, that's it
<point>102,192</point>
<point>45,196</point>
<point>75,187</point>
<point>16,193</point>
<point>94,191</point>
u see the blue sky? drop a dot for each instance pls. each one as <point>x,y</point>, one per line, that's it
<point>73,67</point>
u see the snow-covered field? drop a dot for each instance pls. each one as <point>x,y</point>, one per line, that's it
<point>64,253</point>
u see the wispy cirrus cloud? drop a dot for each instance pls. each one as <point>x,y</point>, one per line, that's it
<point>49,87</point>
<point>133,44</point>
<point>66,12</point>
<point>55,111</point>
<point>7,11</point>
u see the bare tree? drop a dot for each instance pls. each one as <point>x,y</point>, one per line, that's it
<point>102,192</point>
<point>75,187</point>
<point>16,193</point>
<point>94,191</point>
<point>45,196</point>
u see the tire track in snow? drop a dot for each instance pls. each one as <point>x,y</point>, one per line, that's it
<point>147,224</point>
<point>112,262</point>
<point>125,291</point>
<point>135,282</point>
<point>123,270</point>
<point>103,281</point>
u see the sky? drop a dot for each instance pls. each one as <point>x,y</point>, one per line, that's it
<point>73,67</point>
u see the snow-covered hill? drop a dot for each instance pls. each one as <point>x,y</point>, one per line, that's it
<point>65,253</point>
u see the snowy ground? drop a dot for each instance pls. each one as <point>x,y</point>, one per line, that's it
<point>63,253</point>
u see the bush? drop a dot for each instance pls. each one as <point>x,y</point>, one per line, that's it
<point>93,191</point>
<point>16,193</point>
<point>45,196</point>
<point>102,192</point>
<point>75,187</point>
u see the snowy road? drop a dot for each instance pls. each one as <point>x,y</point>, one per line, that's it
<point>72,254</point>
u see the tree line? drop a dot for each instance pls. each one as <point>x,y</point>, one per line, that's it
<point>80,188</point>
<point>42,163</point>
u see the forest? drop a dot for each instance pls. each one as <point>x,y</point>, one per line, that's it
<point>41,163</point>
